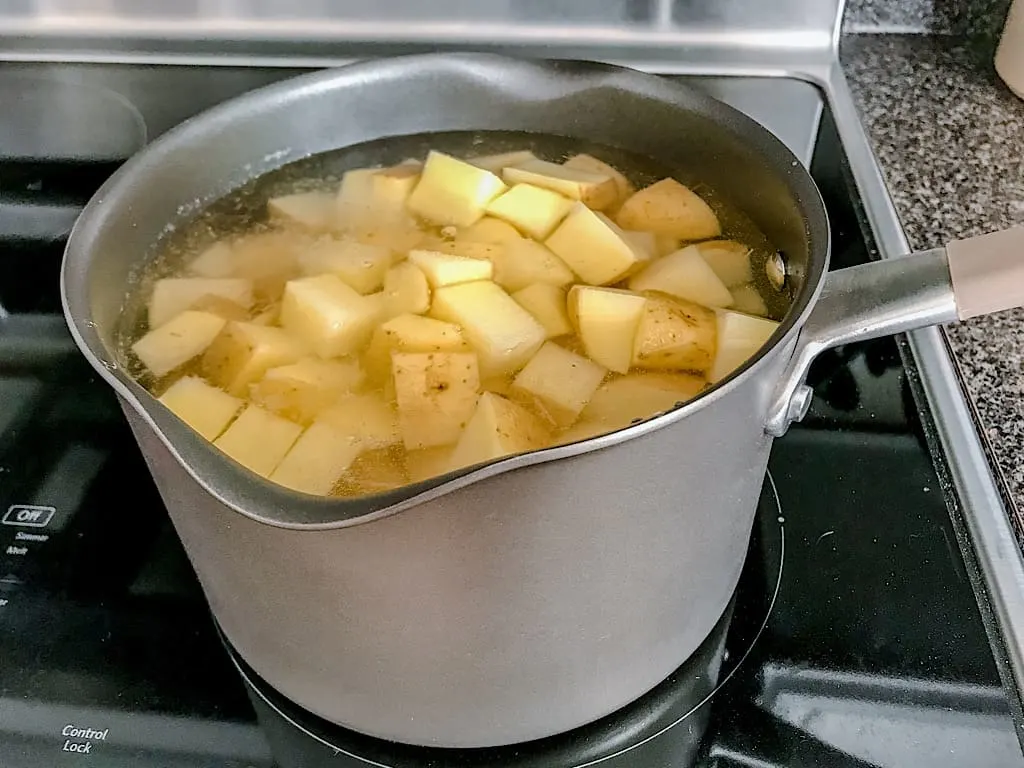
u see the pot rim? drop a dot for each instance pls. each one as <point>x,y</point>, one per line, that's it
<point>307,512</point>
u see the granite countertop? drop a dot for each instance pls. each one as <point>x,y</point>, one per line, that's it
<point>949,136</point>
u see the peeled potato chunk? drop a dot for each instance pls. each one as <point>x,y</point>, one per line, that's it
<point>426,463</point>
<point>301,390</point>
<point>411,333</point>
<point>498,427</point>
<point>675,334</point>
<point>375,471</point>
<point>216,261</point>
<point>362,267</point>
<point>392,186</point>
<point>747,299</point>
<point>619,402</point>
<point>561,382</point>
<point>406,290</point>
<point>177,341</point>
<point>173,295</point>
<point>436,394</point>
<point>525,262</point>
<point>365,418</point>
<point>583,162</point>
<point>595,248</point>
<point>451,191</point>
<point>489,230</point>
<point>503,334</point>
<point>606,320</point>
<point>668,208</point>
<point>315,211</point>
<point>258,439</point>
<point>244,352</point>
<point>685,275</point>
<point>206,409</point>
<point>532,210</point>
<point>740,337</point>
<point>547,304</point>
<point>498,162</point>
<point>595,190</point>
<point>729,260</point>
<point>445,269</point>
<point>317,460</point>
<point>328,315</point>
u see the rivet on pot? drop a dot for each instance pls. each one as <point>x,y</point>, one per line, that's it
<point>775,269</point>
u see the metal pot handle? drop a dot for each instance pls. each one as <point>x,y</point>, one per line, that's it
<point>965,279</point>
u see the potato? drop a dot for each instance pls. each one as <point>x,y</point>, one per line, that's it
<point>410,333</point>
<point>360,266</point>
<point>436,393</point>
<point>525,262</point>
<point>582,162</point>
<point>173,295</point>
<point>685,275</point>
<point>244,352</point>
<point>258,440</point>
<point>665,244</point>
<point>619,402</point>
<point>469,249</point>
<point>740,337</point>
<point>177,341</point>
<point>606,320</point>
<point>216,261</point>
<point>374,471</point>
<point>329,316</point>
<point>668,208</point>
<point>595,190</point>
<point>489,230</point>
<point>206,409</point>
<point>561,382</point>
<point>729,260</point>
<point>498,427</point>
<point>747,299</point>
<point>355,195</point>
<point>317,460</point>
<point>392,186</point>
<point>269,259</point>
<point>301,390</point>
<point>547,305</point>
<point>675,334</point>
<point>503,334</point>
<point>366,418</point>
<point>444,269</point>
<point>315,211</point>
<point>399,238</point>
<point>499,162</point>
<point>594,247</point>
<point>405,290</point>
<point>427,463</point>
<point>532,210</point>
<point>451,191</point>
<point>218,305</point>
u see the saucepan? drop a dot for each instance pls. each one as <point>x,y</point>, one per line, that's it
<point>523,598</point>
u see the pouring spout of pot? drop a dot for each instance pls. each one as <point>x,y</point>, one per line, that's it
<point>966,278</point>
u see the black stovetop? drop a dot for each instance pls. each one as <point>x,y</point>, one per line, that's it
<point>857,637</point>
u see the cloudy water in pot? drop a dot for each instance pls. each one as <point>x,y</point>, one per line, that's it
<point>393,311</point>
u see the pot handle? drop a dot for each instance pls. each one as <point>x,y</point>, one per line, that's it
<point>967,278</point>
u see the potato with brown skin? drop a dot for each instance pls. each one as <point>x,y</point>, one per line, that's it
<point>674,334</point>
<point>669,208</point>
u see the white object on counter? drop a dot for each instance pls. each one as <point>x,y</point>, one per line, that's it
<point>1010,53</point>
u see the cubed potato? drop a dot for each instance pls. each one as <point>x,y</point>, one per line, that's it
<point>406,290</point>
<point>498,427</point>
<point>534,211</point>
<point>470,249</point>
<point>666,244</point>
<point>375,471</point>
<point>451,191</point>
<point>503,334</point>
<point>269,259</point>
<point>216,261</point>
<point>218,305</point>
<point>360,266</point>
<point>499,385</point>
<point>244,352</point>
<point>644,243</point>
<point>427,463</point>
<point>258,440</point>
<point>740,337</point>
<point>355,195</point>
<point>173,295</point>
<point>637,396</point>
<point>675,334</point>
<point>729,260</point>
<point>561,382</point>
<point>589,163</point>
<point>595,248</point>
<point>315,211</point>
<point>410,333</point>
<point>302,390</point>
<point>596,190</point>
<point>268,316</point>
<point>747,299</point>
<point>366,418</point>
<point>445,269</point>
<point>685,275</point>
<point>392,186</point>
<point>669,208</point>
<point>317,460</point>
<point>499,162</point>
<point>206,409</point>
<point>328,315</point>
<point>489,230</point>
<point>525,262</point>
<point>177,341</point>
<point>436,394</point>
<point>606,320</point>
<point>398,237</point>
<point>547,304</point>
<point>581,430</point>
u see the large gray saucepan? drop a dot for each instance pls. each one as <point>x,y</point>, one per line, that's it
<point>540,592</point>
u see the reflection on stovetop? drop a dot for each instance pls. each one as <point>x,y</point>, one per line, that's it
<point>874,652</point>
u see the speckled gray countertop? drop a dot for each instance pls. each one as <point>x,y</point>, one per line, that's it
<point>949,137</point>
